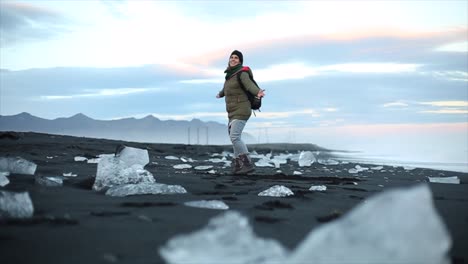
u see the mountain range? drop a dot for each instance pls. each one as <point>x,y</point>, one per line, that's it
<point>148,129</point>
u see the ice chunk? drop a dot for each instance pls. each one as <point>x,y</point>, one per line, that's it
<point>94,161</point>
<point>15,205</point>
<point>228,238</point>
<point>69,174</point>
<point>328,162</point>
<point>17,165</point>
<point>3,179</point>
<point>357,169</point>
<point>182,166</point>
<point>112,171</point>
<point>171,158</point>
<point>212,172</point>
<point>203,167</point>
<point>218,160</point>
<point>264,162</point>
<point>49,180</point>
<point>212,204</point>
<point>397,226</point>
<point>452,180</point>
<point>78,158</point>
<point>318,188</point>
<point>297,173</point>
<point>277,191</point>
<point>144,188</point>
<point>376,168</point>
<point>278,160</point>
<point>131,156</point>
<point>306,158</point>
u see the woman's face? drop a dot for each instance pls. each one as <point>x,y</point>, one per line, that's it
<point>233,60</point>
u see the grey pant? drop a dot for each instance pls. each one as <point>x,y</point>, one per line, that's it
<point>236,127</point>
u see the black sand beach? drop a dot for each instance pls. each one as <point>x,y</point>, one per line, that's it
<point>74,224</point>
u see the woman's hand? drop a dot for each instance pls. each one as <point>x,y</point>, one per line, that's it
<point>261,93</point>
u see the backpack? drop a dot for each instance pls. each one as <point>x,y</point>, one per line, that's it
<point>255,102</point>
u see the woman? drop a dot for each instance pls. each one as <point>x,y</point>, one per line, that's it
<point>239,109</point>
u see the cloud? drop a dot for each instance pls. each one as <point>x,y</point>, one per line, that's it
<point>446,103</point>
<point>446,111</point>
<point>446,107</point>
<point>300,70</point>
<point>288,114</point>
<point>189,116</point>
<point>396,104</point>
<point>454,47</point>
<point>103,93</point>
<point>450,75</point>
<point>22,22</point>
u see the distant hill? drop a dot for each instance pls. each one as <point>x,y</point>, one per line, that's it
<point>148,129</point>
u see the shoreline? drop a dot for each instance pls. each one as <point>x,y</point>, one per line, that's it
<point>131,229</point>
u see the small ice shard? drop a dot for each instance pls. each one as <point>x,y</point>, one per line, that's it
<point>15,205</point>
<point>17,165</point>
<point>452,180</point>
<point>409,168</point>
<point>297,173</point>
<point>69,174</point>
<point>217,160</point>
<point>113,171</point>
<point>376,168</point>
<point>51,181</point>
<point>357,169</point>
<point>306,158</point>
<point>278,160</point>
<point>171,158</point>
<point>211,204</point>
<point>328,162</point>
<point>374,232</point>
<point>318,188</point>
<point>49,157</point>
<point>186,159</point>
<point>277,191</point>
<point>228,238</point>
<point>182,166</point>
<point>144,188</point>
<point>79,158</point>
<point>203,167</point>
<point>212,172</point>
<point>93,161</point>
<point>264,162</point>
<point>3,180</point>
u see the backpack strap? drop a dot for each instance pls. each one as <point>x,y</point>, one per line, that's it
<point>246,69</point>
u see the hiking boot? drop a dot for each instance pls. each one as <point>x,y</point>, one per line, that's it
<point>236,165</point>
<point>246,164</point>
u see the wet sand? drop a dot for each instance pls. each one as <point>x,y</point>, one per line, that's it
<point>74,224</point>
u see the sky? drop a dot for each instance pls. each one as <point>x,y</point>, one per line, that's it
<point>360,75</point>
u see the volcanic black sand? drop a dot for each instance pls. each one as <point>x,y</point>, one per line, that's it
<point>74,224</point>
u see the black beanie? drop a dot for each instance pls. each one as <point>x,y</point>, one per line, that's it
<point>239,54</point>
